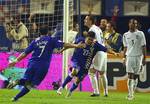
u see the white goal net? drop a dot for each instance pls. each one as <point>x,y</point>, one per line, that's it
<point>36,12</point>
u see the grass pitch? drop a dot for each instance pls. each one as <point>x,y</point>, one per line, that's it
<point>50,97</point>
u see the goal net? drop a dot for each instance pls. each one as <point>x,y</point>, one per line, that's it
<point>57,14</point>
<point>36,12</point>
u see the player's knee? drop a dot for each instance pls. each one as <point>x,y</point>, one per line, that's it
<point>74,72</point>
<point>92,71</point>
<point>130,75</point>
<point>136,76</point>
<point>92,74</point>
<point>101,73</point>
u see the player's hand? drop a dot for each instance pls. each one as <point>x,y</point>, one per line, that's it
<point>117,54</point>
<point>60,51</point>
<point>81,45</point>
<point>124,61</point>
<point>143,62</point>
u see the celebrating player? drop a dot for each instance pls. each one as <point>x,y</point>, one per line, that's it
<point>37,69</point>
<point>81,61</point>
<point>134,55</point>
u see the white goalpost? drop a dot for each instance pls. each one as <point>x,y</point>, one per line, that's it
<point>65,37</point>
<point>67,25</point>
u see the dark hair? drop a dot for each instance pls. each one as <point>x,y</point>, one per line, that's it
<point>91,18</point>
<point>91,34</point>
<point>43,30</point>
<point>17,18</point>
<point>138,24</point>
<point>113,24</point>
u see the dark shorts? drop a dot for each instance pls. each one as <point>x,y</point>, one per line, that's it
<point>82,74</point>
<point>36,72</point>
<point>81,71</point>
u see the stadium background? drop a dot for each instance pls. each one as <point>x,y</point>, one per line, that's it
<point>100,9</point>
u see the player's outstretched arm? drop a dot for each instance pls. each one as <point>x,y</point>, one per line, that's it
<point>71,45</point>
<point>19,58</point>
<point>109,50</point>
<point>60,51</point>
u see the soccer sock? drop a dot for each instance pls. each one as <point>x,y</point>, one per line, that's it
<point>94,83</point>
<point>23,92</point>
<point>67,80</point>
<point>135,84</point>
<point>105,83</point>
<point>74,86</point>
<point>130,87</point>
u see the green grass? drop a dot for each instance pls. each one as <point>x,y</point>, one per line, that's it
<point>50,97</point>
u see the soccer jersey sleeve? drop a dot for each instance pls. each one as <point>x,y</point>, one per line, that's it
<point>100,47</point>
<point>30,48</point>
<point>124,41</point>
<point>143,41</point>
<point>58,43</point>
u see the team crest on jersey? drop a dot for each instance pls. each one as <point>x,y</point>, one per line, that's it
<point>137,37</point>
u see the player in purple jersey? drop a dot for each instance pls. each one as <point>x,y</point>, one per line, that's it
<point>81,61</point>
<point>42,49</point>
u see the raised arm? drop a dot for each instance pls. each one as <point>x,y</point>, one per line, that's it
<point>19,58</point>
<point>71,45</point>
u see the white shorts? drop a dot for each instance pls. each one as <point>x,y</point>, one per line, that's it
<point>133,64</point>
<point>100,61</point>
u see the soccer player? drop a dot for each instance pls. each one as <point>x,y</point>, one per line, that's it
<point>42,49</point>
<point>134,55</point>
<point>100,60</point>
<point>81,61</point>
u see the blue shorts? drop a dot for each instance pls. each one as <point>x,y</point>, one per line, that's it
<point>36,72</point>
<point>81,71</point>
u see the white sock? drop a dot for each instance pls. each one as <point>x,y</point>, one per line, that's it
<point>135,84</point>
<point>130,86</point>
<point>105,83</point>
<point>94,83</point>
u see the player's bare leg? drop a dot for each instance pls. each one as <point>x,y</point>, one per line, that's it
<point>105,82</point>
<point>74,86</point>
<point>135,82</point>
<point>67,80</point>
<point>130,84</point>
<point>26,89</point>
<point>94,82</point>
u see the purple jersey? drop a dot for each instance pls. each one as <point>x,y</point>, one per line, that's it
<point>83,57</point>
<point>42,49</point>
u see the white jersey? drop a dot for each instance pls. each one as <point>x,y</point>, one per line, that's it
<point>134,42</point>
<point>98,34</point>
<point>100,60</point>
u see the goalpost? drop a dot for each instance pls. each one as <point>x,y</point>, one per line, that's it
<point>67,25</point>
<point>57,14</point>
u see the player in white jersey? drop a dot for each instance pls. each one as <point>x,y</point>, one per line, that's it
<point>100,60</point>
<point>134,54</point>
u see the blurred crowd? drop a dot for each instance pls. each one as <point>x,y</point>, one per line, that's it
<point>21,29</point>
